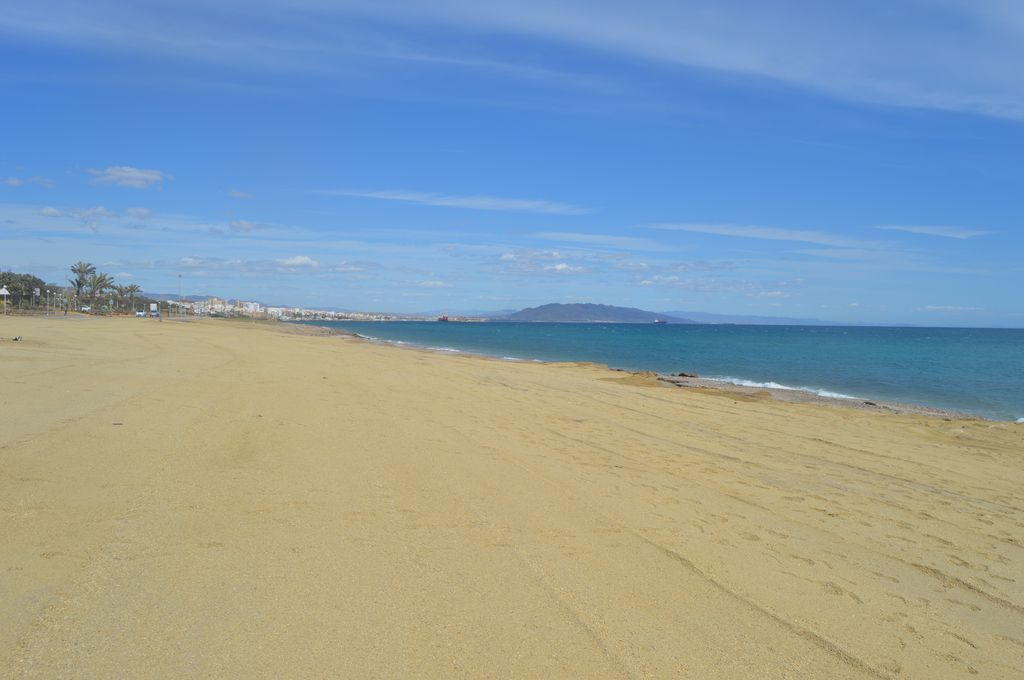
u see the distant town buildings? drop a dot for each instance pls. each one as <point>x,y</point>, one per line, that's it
<point>242,308</point>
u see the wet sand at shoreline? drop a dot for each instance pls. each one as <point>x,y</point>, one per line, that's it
<point>685,380</point>
<point>224,499</point>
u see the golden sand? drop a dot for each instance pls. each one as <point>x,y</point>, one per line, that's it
<point>222,499</point>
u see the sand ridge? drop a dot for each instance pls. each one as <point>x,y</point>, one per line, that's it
<point>224,499</point>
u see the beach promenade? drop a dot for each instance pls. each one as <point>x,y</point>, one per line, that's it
<point>227,499</point>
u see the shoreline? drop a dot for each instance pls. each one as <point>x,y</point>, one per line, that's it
<point>793,395</point>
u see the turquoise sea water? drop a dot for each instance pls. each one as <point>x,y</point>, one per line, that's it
<point>979,371</point>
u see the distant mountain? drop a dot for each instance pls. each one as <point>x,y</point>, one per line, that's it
<point>706,317</point>
<point>589,313</point>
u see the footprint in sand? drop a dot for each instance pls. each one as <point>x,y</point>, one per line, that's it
<point>833,589</point>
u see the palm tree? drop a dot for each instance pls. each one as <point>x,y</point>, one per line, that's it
<point>119,295</point>
<point>131,290</point>
<point>82,272</point>
<point>98,282</point>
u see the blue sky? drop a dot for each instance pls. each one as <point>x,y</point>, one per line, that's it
<point>847,161</point>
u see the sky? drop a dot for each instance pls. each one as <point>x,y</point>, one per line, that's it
<point>849,161</point>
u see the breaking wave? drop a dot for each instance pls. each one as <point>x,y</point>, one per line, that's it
<point>779,386</point>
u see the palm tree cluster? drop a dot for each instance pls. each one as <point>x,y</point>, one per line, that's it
<point>91,285</point>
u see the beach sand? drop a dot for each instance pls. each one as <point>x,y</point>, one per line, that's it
<point>223,499</point>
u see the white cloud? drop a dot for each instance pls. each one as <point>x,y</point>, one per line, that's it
<point>93,217</point>
<point>137,213</point>
<point>945,232</point>
<point>96,213</point>
<point>14,181</point>
<point>49,211</point>
<point>563,268</point>
<point>434,284</point>
<point>240,195</point>
<point>298,261</point>
<point>127,176</point>
<point>470,202</point>
<point>660,279</point>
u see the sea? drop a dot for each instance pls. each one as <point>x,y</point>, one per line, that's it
<point>971,370</point>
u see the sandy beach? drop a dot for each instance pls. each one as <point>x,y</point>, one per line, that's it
<point>226,499</point>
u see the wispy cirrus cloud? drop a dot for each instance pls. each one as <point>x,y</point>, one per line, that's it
<point>127,176</point>
<point>245,226</point>
<point>959,55</point>
<point>525,255</point>
<point>495,203</point>
<point>944,232</point>
<point>240,195</point>
<point>771,234</point>
<point>750,288</point>
<point>207,265</point>
<point>346,267</point>
<point>607,240</point>
<point>950,308</point>
<point>96,213</point>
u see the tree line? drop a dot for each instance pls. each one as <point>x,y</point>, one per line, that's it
<point>88,287</point>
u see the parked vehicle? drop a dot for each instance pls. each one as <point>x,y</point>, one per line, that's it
<point>140,313</point>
